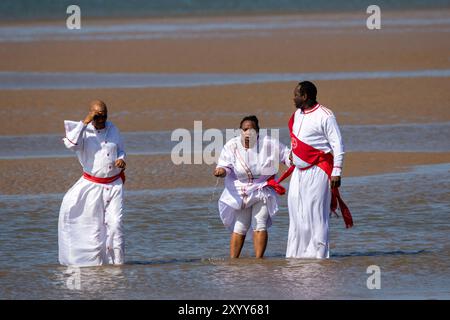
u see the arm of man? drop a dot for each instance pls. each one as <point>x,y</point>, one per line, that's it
<point>334,137</point>
<point>121,155</point>
<point>74,134</point>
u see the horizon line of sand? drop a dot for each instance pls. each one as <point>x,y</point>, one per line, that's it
<point>232,16</point>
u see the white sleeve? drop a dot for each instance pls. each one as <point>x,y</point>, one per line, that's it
<point>284,154</point>
<point>225,159</point>
<point>120,147</point>
<point>334,137</point>
<point>74,134</point>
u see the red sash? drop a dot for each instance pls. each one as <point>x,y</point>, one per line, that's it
<point>108,180</point>
<point>318,158</point>
<point>275,184</point>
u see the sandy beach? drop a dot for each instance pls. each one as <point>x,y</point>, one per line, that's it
<point>354,48</point>
<point>329,47</point>
<point>345,48</point>
<point>353,102</point>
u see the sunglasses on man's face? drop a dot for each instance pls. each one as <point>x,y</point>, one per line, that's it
<point>99,116</point>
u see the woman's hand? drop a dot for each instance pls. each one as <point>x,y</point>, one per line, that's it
<point>220,172</point>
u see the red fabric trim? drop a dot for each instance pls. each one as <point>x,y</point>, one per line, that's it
<point>335,200</point>
<point>327,111</point>
<point>271,182</point>
<point>75,144</point>
<point>306,168</point>
<point>244,164</point>
<point>108,180</point>
<point>314,108</point>
<point>310,154</point>
<point>324,161</point>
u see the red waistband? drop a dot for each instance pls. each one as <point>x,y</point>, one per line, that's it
<point>108,180</point>
<point>336,199</point>
<point>306,168</point>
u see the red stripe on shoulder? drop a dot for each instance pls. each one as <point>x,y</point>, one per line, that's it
<point>326,110</point>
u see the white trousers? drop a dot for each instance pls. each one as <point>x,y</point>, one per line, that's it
<point>256,215</point>
<point>309,210</point>
<point>90,229</point>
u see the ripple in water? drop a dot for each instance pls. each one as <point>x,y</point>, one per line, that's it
<point>176,247</point>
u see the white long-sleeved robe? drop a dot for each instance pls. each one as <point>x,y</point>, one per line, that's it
<point>90,218</point>
<point>247,173</point>
<point>309,190</point>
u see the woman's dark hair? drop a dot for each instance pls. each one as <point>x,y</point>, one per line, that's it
<point>254,119</point>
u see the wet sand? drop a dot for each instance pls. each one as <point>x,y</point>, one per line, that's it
<point>354,48</point>
<point>388,101</point>
<point>332,48</point>
<point>41,176</point>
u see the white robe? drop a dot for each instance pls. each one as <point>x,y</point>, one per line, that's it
<point>309,190</point>
<point>247,173</point>
<point>90,218</point>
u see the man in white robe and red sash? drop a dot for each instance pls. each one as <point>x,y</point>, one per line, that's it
<point>317,156</point>
<point>90,219</point>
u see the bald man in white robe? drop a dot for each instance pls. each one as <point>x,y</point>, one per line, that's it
<point>90,231</point>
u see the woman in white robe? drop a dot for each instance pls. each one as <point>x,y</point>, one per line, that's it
<point>247,162</point>
<point>90,219</point>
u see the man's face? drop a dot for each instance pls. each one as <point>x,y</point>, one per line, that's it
<point>299,99</point>
<point>101,114</point>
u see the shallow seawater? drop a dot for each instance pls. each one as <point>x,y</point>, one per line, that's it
<point>176,247</point>
<point>91,80</point>
<point>236,27</point>
<point>411,137</point>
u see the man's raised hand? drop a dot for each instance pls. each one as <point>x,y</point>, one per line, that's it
<point>89,117</point>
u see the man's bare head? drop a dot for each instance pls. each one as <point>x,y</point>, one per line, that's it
<point>100,111</point>
<point>98,106</point>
